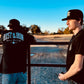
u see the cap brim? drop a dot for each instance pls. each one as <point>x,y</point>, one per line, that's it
<point>9,25</point>
<point>67,18</point>
<point>64,19</point>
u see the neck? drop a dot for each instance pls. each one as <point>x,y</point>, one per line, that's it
<point>76,30</point>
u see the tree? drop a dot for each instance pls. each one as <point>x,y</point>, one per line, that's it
<point>35,29</point>
<point>46,32</point>
<point>64,31</point>
<point>60,31</point>
<point>67,31</point>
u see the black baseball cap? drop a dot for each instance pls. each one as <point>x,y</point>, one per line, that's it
<point>14,22</point>
<point>74,14</point>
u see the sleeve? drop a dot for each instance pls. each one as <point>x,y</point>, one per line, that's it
<point>30,39</point>
<point>79,49</point>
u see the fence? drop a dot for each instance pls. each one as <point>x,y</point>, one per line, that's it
<point>43,65</point>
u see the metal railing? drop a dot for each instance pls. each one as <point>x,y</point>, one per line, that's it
<point>43,65</point>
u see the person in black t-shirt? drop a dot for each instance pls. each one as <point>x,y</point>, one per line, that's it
<point>15,49</point>
<point>75,53</point>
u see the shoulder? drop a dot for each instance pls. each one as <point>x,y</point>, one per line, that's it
<point>30,37</point>
<point>5,31</point>
<point>82,32</point>
<point>80,35</point>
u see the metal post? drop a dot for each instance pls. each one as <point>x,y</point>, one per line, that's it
<point>29,67</point>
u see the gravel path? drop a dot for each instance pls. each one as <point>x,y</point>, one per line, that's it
<point>47,55</point>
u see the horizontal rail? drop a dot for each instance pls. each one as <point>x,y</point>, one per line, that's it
<point>47,65</point>
<point>47,43</point>
<point>50,43</point>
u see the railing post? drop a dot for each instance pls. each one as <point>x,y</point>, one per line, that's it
<point>29,67</point>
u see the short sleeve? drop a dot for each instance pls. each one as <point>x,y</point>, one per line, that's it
<point>30,39</point>
<point>79,49</point>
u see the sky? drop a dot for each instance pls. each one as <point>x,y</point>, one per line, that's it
<point>47,14</point>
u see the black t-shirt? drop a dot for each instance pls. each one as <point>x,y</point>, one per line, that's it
<point>15,45</point>
<point>76,46</point>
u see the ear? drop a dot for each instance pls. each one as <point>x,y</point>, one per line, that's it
<point>79,21</point>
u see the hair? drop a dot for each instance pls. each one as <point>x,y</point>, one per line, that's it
<point>81,18</point>
<point>81,22</point>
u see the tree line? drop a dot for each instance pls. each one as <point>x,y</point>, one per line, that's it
<point>35,29</point>
<point>64,31</point>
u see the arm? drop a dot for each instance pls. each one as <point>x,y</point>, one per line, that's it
<point>33,40</point>
<point>74,69</point>
<point>30,39</point>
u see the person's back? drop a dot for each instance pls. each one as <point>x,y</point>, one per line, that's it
<point>15,45</point>
<point>14,51</point>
